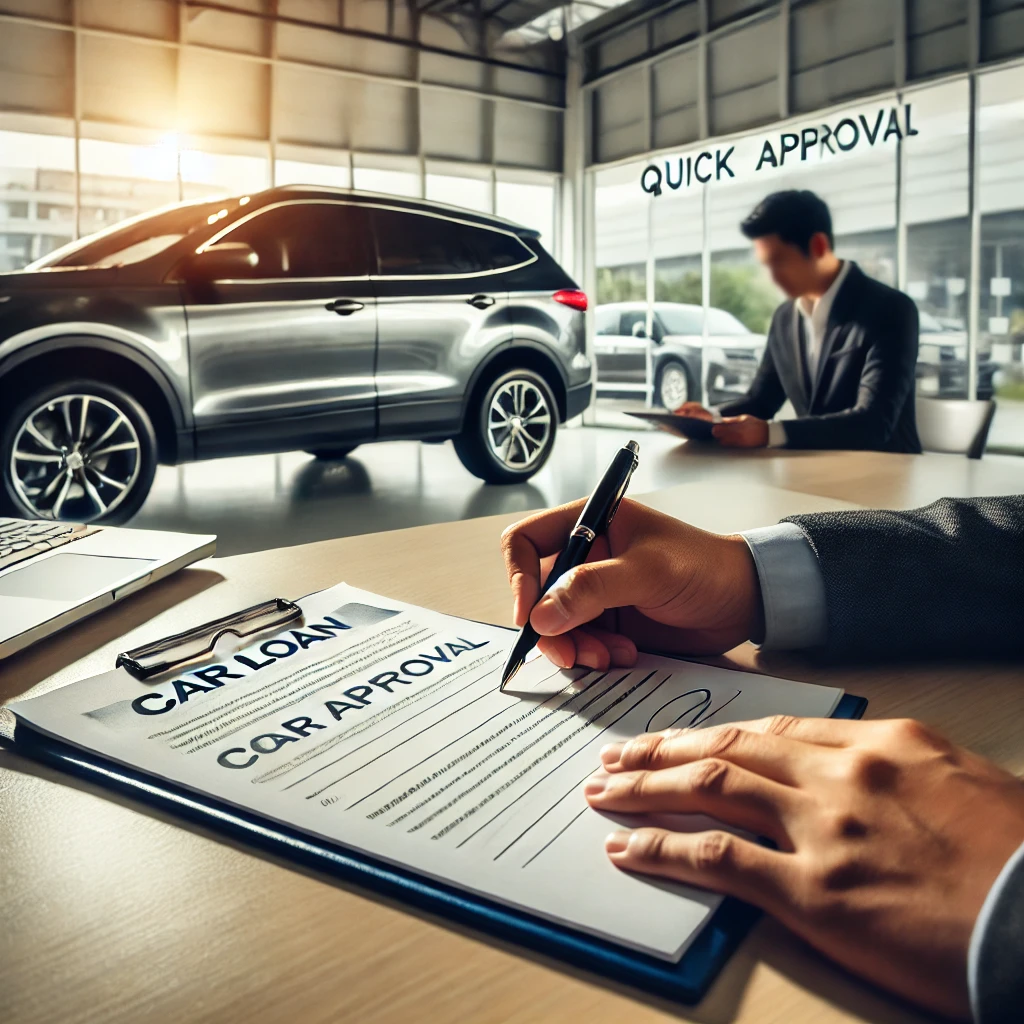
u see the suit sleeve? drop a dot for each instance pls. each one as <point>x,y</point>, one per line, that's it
<point>766,394</point>
<point>945,580</point>
<point>885,382</point>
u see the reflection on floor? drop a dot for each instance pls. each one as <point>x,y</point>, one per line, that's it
<point>269,501</point>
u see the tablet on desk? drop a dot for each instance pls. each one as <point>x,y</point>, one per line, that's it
<point>690,427</point>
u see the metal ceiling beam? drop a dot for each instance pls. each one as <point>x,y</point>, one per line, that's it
<point>375,36</point>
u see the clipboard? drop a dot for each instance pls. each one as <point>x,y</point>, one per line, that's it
<point>693,428</point>
<point>685,981</point>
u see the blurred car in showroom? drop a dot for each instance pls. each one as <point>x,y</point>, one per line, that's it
<point>682,361</point>
<point>298,318</point>
<point>942,360</point>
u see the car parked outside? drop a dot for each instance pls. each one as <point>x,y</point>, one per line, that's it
<point>942,360</point>
<point>683,362</point>
<point>296,318</point>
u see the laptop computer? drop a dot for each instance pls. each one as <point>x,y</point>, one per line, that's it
<point>53,574</point>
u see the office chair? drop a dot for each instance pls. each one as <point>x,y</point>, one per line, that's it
<point>956,426</point>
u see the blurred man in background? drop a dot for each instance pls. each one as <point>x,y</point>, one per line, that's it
<point>843,351</point>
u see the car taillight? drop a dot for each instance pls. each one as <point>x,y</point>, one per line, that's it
<point>573,298</point>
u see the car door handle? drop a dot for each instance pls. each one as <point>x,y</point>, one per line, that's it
<point>481,301</point>
<point>344,307</point>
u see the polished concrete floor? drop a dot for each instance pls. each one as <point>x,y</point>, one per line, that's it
<point>269,501</point>
<point>272,501</point>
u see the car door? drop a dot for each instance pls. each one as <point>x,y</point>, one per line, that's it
<point>622,355</point>
<point>283,356</point>
<point>442,304</point>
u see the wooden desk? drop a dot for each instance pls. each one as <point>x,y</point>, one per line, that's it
<point>111,913</point>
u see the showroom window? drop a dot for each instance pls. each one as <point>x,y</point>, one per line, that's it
<point>306,240</point>
<point>935,208</point>
<point>302,172</point>
<point>1000,350</point>
<point>528,204</point>
<point>120,180</point>
<point>205,173</point>
<point>37,184</point>
<point>387,181</point>
<point>455,190</point>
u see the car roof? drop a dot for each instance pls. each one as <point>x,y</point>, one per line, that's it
<point>282,192</point>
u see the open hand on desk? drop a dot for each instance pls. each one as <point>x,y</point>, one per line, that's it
<point>889,837</point>
<point>651,581</point>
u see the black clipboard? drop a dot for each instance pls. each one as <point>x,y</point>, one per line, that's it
<point>693,428</point>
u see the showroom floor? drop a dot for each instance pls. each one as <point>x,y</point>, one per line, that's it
<point>269,501</point>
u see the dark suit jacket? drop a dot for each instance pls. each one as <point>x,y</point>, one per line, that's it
<point>942,581</point>
<point>862,395</point>
<point>946,580</point>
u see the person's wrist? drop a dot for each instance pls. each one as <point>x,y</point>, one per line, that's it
<point>746,587</point>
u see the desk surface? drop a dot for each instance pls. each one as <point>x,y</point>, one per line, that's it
<point>113,913</point>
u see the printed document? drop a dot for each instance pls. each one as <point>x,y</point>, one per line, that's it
<point>379,726</point>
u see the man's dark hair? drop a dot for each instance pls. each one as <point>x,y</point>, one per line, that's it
<point>795,216</point>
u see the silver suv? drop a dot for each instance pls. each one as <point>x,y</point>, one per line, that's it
<point>297,318</point>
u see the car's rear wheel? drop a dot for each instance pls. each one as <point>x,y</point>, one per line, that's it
<point>79,451</point>
<point>674,385</point>
<point>510,429</point>
<point>335,454</point>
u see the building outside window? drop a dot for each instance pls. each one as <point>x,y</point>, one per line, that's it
<point>1001,289</point>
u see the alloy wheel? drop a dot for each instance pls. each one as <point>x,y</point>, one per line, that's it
<point>518,424</point>
<point>674,389</point>
<point>76,458</point>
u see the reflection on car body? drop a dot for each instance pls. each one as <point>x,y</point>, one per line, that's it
<point>682,360</point>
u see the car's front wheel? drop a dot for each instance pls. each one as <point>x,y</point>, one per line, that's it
<point>510,429</point>
<point>79,451</point>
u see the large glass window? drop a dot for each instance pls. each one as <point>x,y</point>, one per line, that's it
<point>455,190</point>
<point>1001,292</point>
<point>205,173</point>
<point>935,205</point>
<point>303,172</point>
<point>302,240</point>
<point>121,180</point>
<point>532,205</point>
<point>387,181</point>
<point>37,196</point>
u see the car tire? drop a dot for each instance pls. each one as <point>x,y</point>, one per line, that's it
<point>332,454</point>
<point>510,428</point>
<point>674,385</point>
<point>91,454</point>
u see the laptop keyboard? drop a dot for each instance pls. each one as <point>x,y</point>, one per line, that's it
<point>21,539</point>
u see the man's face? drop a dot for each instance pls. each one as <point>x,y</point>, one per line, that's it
<point>791,268</point>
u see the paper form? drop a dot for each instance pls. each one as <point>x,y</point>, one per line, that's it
<point>379,726</point>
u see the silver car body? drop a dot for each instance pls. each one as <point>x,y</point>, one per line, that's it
<point>273,364</point>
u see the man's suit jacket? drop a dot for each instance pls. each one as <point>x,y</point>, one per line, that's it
<point>941,581</point>
<point>862,393</point>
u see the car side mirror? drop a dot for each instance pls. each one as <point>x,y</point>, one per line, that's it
<point>221,262</point>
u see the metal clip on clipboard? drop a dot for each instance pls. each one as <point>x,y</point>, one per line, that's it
<point>162,655</point>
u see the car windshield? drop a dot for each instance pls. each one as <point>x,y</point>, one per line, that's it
<point>138,238</point>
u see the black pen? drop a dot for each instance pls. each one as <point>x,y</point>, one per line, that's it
<point>594,520</point>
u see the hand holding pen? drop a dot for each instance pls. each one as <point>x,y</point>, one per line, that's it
<point>652,582</point>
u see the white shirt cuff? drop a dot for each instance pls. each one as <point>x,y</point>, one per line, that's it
<point>777,434</point>
<point>792,589</point>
